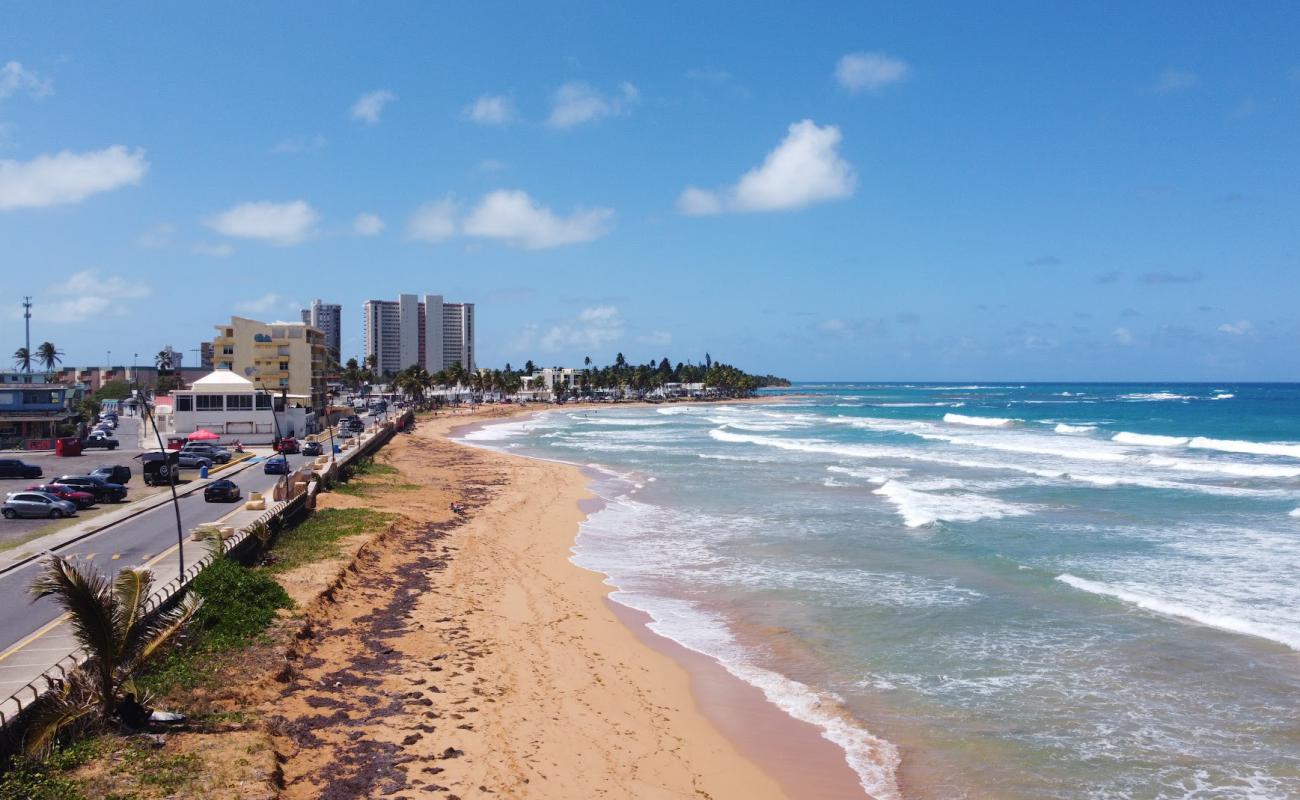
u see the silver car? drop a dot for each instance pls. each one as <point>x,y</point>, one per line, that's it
<point>37,504</point>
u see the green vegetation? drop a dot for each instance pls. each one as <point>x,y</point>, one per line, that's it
<point>238,604</point>
<point>146,765</point>
<point>113,390</point>
<point>47,779</point>
<point>318,538</point>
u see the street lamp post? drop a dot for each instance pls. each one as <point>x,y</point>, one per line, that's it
<point>171,481</point>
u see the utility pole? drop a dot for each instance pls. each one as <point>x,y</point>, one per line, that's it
<point>27,322</point>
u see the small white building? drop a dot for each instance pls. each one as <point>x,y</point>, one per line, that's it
<point>230,406</point>
<point>543,382</point>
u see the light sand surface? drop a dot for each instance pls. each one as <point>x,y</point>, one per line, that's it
<point>465,655</point>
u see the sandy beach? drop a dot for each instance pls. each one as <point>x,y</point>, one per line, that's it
<point>464,655</point>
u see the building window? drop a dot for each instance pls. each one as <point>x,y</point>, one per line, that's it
<point>295,333</point>
<point>277,333</point>
<point>207,402</point>
<point>263,401</point>
<point>184,402</point>
<point>227,350</point>
<point>239,402</point>
<point>284,366</point>
<point>7,398</point>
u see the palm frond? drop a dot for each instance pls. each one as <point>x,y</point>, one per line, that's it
<point>159,629</point>
<point>131,589</point>
<point>88,599</point>
<point>69,703</point>
<point>212,539</point>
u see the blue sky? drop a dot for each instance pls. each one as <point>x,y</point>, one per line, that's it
<point>1008,191</point>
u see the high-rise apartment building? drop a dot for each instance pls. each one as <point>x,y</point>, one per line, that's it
<point>282,356</point>
<point>411,330</point>
<point>326,318</point>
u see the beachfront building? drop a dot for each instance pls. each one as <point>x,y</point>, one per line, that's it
<point>287,358</point>
<point>33,409</point>
<point>231,406</point>
<point>327,318</point>
<point>412,330</point>
<point>543,383</point>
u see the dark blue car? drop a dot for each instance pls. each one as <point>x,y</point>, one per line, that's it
<point>278,465</point>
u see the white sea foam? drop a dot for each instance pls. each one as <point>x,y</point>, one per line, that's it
<point>1149,440</point>
<point>1287,449</point>
<point>982,422</point>
<point>1223,396</point>
<point>919,509</point>
<point>1295,512</point>
<point>1235,468</point>
<point>877,476</point>
<point>1062,427</point>
<point>1202,616</point>
<point>1155,397</point>
<point>721,457</point>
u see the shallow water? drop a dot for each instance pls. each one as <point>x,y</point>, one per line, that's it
<point>1013,591</point>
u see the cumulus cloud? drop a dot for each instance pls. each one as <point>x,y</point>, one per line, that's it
<point>1123,336</point>
<point>594,327</point>
<point>1239,328</point>
<point>367,225</point>
<point>68,177</point>
<point>576,102</point>
<point>805,168</point>
<point>370,105</point>
<point>869,72</point>
<point>221,250</point>
<point>512,217</point>
<point>89,294</point>
<point>1174,80</point>
<point>15,78</point>
<point>433,222</point>
<point>277,223</point>
<point>491,109</point>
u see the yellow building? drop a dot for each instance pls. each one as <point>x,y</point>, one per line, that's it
<point>283,356</point>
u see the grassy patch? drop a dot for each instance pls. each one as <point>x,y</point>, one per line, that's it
<point>318,537</point>
<point>238,604</point>
<point>157,768</point>
<point>48,780</point>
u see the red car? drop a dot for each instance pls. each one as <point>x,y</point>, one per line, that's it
<point>286,445</point>
<point>78,499</point>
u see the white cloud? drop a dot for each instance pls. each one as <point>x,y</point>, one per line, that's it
<point>278,223</point>
<point>157,237</point>
<point>67,177</point>
<point>301,144</point>
<point>221,250</point>
<point>514,218</point>
<point>1123,335</point>
<point>1174,80</point>
<point>433,222</point>
<point>259,305</point>
<point>367,225</point>
<point>371,104</point>
<point>577,102</point>
<point>15,78</point>
<point>593,328</point>
<point>91,295</point>
<point>869,72</point>
<point>806,168</point>
<point>1239,328</point>
<point>491,110</point>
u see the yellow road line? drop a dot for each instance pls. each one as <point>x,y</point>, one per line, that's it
<point>31,637</point>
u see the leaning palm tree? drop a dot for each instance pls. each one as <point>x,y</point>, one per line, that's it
<point>111,623</point>
<point>23,359</point>
<point>49,356</point>
<point>163,360</point>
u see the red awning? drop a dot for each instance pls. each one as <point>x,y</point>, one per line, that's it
<point>202,435</point>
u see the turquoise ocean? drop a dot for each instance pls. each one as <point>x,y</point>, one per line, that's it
<point>976,590</point>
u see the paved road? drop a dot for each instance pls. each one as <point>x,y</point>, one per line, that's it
<point>144,539</point>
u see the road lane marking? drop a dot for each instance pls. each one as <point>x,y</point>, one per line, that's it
<point>33,636</point>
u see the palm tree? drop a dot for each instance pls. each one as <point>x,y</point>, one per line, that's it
<point>23,359</point>
<point>49,356</point>
<point>111,623</point>
<point>163,360</point>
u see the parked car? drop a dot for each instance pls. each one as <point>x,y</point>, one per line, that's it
<point>344,432</point>
<point>99,439</point>
<point>216,453</point>
<point>276,465</point>
<point>311,449</point>
<point>286,445</point>
<point>221,491</point>
<point>77,497</point>
<point>188,459</point>
<point>14,468</point>
<point>113,473</point>
<point>103,491</point>
<point>36,504</point>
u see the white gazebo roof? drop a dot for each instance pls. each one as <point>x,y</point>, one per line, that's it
<point>222,380</point>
